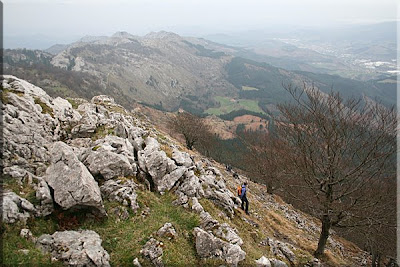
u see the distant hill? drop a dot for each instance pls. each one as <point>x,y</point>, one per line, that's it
<point>168,71</point>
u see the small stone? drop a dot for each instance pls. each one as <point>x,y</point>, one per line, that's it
<point>136,262</point>
<point>24,251</point>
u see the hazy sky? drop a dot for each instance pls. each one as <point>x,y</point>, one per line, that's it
<point>66,20</point>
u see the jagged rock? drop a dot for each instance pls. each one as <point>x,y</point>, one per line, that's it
<point>83,130</point>
<point>181,158</point>
<point>122,191</point>
<point>108,165</point>
<point>15,172</point>
<point>278,263</point>
<point>71,182</point>
<point>263,262</point>
<point>27,129</point>
<point>64,112</point>
<point>181,200</point>
<point>209,246</point>
<point>169,180</point>
<point>75,248</point>
<point>15,208</point>
<point>224,231</point>
<point>207,222</point>
<point>136,262</point>
<point>153,250</point>
<point>43,194</point>
<point>281,249</point>
<point>191,185</point>
<point>167,231</point>
<point>135,136</point>
<point>196,206</point>
<point>102,99</point>
<point>213,170</point>
<point>155,162</point>
<point>216,191</point>
<point>222,199</point>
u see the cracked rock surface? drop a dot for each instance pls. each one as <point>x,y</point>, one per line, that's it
<point>75,248</point>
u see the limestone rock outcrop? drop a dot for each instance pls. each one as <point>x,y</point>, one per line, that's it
<point>15,208</point>
<point>209,246</point>
<point>72,183</point>
<point>153,250</point>
<point>122,191</point>
<point>75,248</point>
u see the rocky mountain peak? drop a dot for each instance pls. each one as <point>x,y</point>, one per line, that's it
<point>162,35</point>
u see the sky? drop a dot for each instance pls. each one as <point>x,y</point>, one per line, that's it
<point>40,23</point>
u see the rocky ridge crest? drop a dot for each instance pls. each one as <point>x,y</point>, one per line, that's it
<point>75,158</point>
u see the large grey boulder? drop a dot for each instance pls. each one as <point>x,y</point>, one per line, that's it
<point>170,179</point>
<point>225,232</point>
<point>153,250</point>
<point>15,208</point>
<point>75,248</point>
<point>207,222</point>
<point>122,191</point>
<point>216,191</point>
<point>72,183</point>
<point>108,165</point>
<point>191,185</point>
<point>209,246</point>
<point>64,112</point>
<point>181,158</point>
<point>221,198</point>
<point>102,99</point>
<point>153,161</point>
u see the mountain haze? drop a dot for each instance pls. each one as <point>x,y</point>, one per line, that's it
<point>167,71</point>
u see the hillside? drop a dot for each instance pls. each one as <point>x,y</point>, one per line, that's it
<point>168,71</point>
<point>93,183</point>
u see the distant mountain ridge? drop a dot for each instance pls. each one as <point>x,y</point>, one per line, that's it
<point>168,71</point>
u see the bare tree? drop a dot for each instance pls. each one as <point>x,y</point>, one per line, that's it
<point>190,126</point>
<point>265,158</point>
<point>342,151</point>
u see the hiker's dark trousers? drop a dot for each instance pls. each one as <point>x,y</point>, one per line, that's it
<point>244,199</point>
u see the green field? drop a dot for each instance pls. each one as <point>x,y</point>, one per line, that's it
<point>249,88</point>
<point>228,105</point>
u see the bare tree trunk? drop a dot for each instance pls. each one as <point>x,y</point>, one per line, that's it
<point>323,238</point>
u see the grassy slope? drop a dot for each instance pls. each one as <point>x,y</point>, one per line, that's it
<point>228,105</point>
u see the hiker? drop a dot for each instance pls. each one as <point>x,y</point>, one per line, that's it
<point>243,197</point>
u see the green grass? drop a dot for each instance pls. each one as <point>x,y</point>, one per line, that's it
<point>45,108</point>
<point>13,243</point>
<point>101,132</point>
<point>228,105</point>
<point>73,103</point>
<point>123,239</point>
<point>4,94</point>
<point>249,88</point>
<point>24,189</point>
